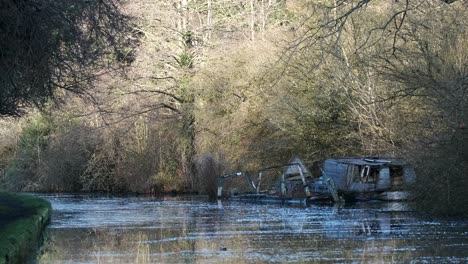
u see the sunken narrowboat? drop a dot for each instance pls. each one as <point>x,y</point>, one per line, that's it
<point>340,179</point>
<point>366,178</point>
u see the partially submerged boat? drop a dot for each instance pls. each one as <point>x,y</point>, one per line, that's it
<point>341,179</point>
<point>264,185</point>
<point>369,178</point>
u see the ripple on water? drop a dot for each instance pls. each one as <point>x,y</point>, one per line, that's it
<point>90,229</point>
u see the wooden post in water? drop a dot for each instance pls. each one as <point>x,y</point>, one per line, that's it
<point>332,188</point>
<point>304,183</point>
<point>259,182</point>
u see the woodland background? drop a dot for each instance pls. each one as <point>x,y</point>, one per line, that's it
<point>154,96</point>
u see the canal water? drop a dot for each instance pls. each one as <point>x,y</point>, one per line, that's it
<point>97,229</point>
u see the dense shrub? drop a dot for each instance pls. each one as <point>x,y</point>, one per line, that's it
<point>442,177</point>
<point>209,168</point>
<point>59,154</point>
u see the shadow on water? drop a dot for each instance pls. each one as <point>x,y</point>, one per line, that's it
<point>93,229</point>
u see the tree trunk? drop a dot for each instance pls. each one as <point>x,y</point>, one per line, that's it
<point>252,21</point>
<point>209,22</point>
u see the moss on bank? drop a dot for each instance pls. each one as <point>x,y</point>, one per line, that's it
<point>22,220</point>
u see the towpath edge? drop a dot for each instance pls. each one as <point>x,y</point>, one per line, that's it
<point>23,218</point>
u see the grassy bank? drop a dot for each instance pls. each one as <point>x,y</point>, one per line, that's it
<point>22,220</point>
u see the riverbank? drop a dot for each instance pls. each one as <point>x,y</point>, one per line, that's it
<point>22,220</point>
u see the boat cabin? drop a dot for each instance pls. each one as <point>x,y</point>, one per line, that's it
<point>361,175</point>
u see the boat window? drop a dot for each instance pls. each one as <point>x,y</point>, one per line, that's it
<point>357,173</point>
<point>364,173</point>
<point>373,174</point>
<point>369,174</point>
<point>396,171</point>
<point>396,175</point>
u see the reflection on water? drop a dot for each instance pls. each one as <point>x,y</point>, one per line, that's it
<point>86,229</point>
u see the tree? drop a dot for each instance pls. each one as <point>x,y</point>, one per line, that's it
<point>404,67</point>
<point>182,39</point>
<point>47,44</point>
<point>432,68</point>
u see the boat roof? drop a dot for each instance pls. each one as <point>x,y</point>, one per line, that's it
<point>293,169</point>
<point>368,161</point>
